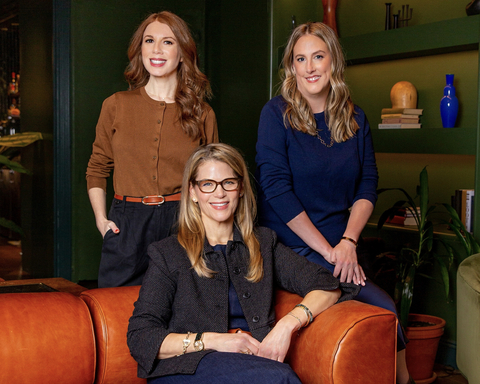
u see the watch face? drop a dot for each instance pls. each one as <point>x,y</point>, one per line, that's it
<point>198,345</point>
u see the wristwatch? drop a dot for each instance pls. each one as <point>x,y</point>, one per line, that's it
<point>198,344</point>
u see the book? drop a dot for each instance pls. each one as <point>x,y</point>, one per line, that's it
<point>469,210</point>
<point>400,121</point>
<point>404,111</point>
<point>398,116</point>
<point>399,126</point>
<point>463,204</point>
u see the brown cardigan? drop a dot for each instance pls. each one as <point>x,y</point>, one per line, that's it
<point>143,142</point>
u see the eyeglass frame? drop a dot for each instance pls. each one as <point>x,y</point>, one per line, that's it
<point>217,183</point>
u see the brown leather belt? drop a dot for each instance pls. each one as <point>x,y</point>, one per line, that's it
<point>151,200</point>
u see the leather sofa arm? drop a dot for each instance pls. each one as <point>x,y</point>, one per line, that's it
<point>111,309</point>
<point>349,343</point>
<point>45,337</point>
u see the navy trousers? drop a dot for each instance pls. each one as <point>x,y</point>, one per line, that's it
<point>124,255</point>
<point>369,294</point>
<point>234,368</point>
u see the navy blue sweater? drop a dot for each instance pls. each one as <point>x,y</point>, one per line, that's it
<point>297,173</point>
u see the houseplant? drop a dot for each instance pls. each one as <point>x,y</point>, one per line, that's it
<point>8,144</point>
<point>411,261</point>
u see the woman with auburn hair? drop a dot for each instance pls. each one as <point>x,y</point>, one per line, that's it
<point>316,165</point>
<point>205,312</point>
<point>145,135</point>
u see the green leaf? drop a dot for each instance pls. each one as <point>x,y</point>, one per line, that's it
<point>407,295</point>
<point>13,165</point>
<point>423,193</point>
<point>11,225</point>
<point>445,276</point>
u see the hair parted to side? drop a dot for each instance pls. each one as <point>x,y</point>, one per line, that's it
<point>339,109</point>
<point>191,231</point>
<point>193,87</point>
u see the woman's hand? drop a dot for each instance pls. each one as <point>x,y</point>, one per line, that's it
<point>276,343</point>
<point>239,342</point>
<point>344,257</point>
<point>104,225</point>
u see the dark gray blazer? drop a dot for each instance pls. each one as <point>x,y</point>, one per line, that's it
<point>174,299</point>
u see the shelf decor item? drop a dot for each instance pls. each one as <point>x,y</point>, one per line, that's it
<point>387,16</point>
<point>329,17</point>
<point>449,104</point>
<point>473,8</point>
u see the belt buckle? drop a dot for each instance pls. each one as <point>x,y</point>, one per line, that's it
<point>155,203</point>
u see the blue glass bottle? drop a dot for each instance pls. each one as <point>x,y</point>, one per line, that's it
<point>449,104</point>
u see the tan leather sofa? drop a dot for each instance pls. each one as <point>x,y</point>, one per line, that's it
<point>468,318</point>
<point>56,337</point>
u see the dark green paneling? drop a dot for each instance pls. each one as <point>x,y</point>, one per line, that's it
<point>101,31</point>
<point>237,46</point>
<point>359,17</point>
<point>444,36</point>
<point>37,115</point>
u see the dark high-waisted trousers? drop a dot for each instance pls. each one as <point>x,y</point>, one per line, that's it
<point>369,294</point>
<point>124,255</point>
<point>234,368</point>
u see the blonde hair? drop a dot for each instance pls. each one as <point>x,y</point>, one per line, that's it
<point>339,108</point>
<point>191,231</point>
<point>193,87</point>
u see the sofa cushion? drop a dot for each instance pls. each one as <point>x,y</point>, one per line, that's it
<point>45,338</point>
<point>111,309</point>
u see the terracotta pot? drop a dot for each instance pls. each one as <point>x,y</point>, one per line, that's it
<point>422,348</point>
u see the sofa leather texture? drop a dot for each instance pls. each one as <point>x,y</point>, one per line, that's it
<point>54,337</point>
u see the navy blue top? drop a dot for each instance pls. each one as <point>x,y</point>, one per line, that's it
<point>297,173</point>
<point>236,318</point>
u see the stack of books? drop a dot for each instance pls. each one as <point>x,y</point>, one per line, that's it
<point>398,118</point>
<point>410,218</point>
<point>463,202</point>
<point>404,216</point>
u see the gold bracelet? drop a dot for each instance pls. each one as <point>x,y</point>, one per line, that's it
<point>186,343</point>
<point>354,242</point>
<point>296,317</point>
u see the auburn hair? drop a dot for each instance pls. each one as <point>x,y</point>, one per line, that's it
<point>339,108</point>
<point>191,231</point>
<point>193,87</point>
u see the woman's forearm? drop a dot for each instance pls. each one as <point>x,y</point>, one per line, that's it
<point>303,227</point>
<point>359,215</point>
<point>98,200</point>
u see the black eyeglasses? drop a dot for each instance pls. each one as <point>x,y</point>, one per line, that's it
<point>209,186</point>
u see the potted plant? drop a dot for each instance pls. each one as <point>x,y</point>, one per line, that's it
<point>7,143</point>
<point>411,260</point>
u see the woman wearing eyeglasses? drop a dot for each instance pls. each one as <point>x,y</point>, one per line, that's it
<point>205,310</point>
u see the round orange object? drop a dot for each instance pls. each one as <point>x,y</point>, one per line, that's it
<point>403,95</point>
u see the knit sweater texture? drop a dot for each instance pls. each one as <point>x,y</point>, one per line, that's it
<point>296,172</point>
<point>142,141</point>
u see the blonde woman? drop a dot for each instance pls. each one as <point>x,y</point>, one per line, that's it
<point>205,313</point>
<point>316,165</point>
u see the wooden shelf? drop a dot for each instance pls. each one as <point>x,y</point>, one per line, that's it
<point>425,140</point>
<point>421,40</point>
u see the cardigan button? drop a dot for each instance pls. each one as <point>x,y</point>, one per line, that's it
<point>246,295</point>
<point>256,319</point>
<point>236,270</point>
